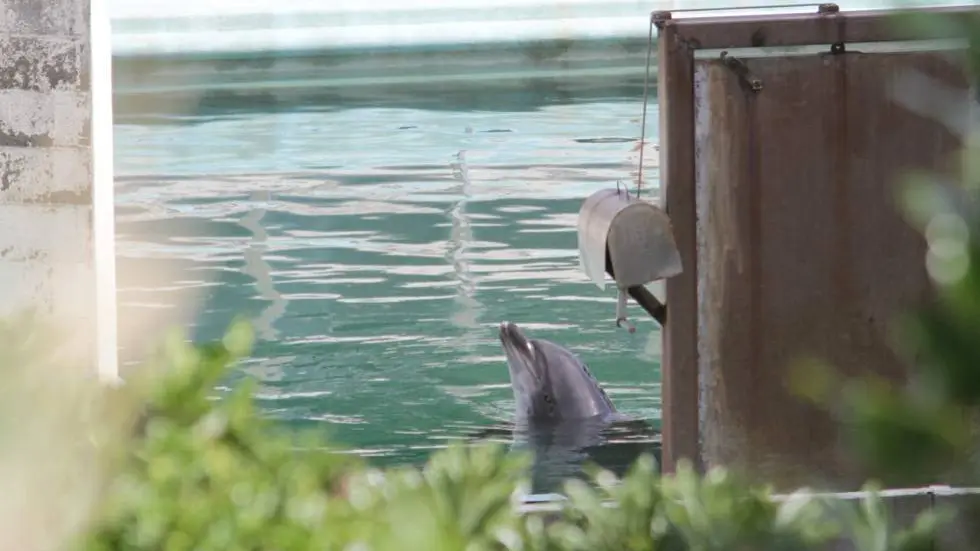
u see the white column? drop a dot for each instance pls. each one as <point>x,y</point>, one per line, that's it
<point>56,226</point>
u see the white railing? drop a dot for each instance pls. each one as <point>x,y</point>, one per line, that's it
<point>245,46</point>
<point>553,503</point>
<point>235,26</point>
<point>217,27</point>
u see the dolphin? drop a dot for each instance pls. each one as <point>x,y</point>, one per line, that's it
<point>550,383</point>
<point>563,414</point>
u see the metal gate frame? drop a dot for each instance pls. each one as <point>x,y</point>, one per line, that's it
<point>678,40</point>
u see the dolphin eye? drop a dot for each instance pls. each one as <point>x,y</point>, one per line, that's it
<point>551,404</point>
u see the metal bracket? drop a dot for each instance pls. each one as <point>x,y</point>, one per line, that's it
<point>660,18</point>
<point>647,300</point>
<point>832,9</point>
<point>742,70</point>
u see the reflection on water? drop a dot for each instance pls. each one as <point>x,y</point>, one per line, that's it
<point>257,267</point>
<point>561,449</point>
<point>468,306</point>
<point>377,249</point>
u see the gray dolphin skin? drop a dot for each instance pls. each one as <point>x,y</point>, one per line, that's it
<point>562,413</point>
<point>551,384</point>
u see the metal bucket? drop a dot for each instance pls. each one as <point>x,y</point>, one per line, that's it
<point>638,235</point>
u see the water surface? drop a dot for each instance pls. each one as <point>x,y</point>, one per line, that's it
<point>377,249</point>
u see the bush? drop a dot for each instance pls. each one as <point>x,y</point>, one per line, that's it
<point>208,474</point>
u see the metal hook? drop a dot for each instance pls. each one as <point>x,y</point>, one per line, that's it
<point>742,71</point>
<point>621,188</point>
<point>629,326</point>
<point>621,311</point>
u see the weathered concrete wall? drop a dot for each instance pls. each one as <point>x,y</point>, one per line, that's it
<point>45,161</point>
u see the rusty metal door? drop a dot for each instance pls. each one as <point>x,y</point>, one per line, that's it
<point>780,177</point>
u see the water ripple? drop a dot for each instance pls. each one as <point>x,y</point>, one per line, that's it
<point>377,263</point>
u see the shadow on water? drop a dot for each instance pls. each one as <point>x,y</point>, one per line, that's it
<point>503,77</point>
<point>171,107</point>
<point>562,450</point>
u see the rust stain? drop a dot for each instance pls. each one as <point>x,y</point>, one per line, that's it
<point>806,251</point>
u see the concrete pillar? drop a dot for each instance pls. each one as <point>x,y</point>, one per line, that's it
<point>46,165</point>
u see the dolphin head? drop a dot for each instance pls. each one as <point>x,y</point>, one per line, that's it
<point>550,383</point>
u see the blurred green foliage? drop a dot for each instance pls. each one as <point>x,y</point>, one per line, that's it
<point>208,474</point>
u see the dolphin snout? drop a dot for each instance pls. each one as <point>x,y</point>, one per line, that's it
<point>511,335</point>
<point>520,355</point>
<point>509,330</point>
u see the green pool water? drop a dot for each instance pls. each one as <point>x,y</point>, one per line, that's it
<point>378,248</point>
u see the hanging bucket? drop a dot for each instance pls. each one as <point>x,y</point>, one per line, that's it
<point>637,235</point>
